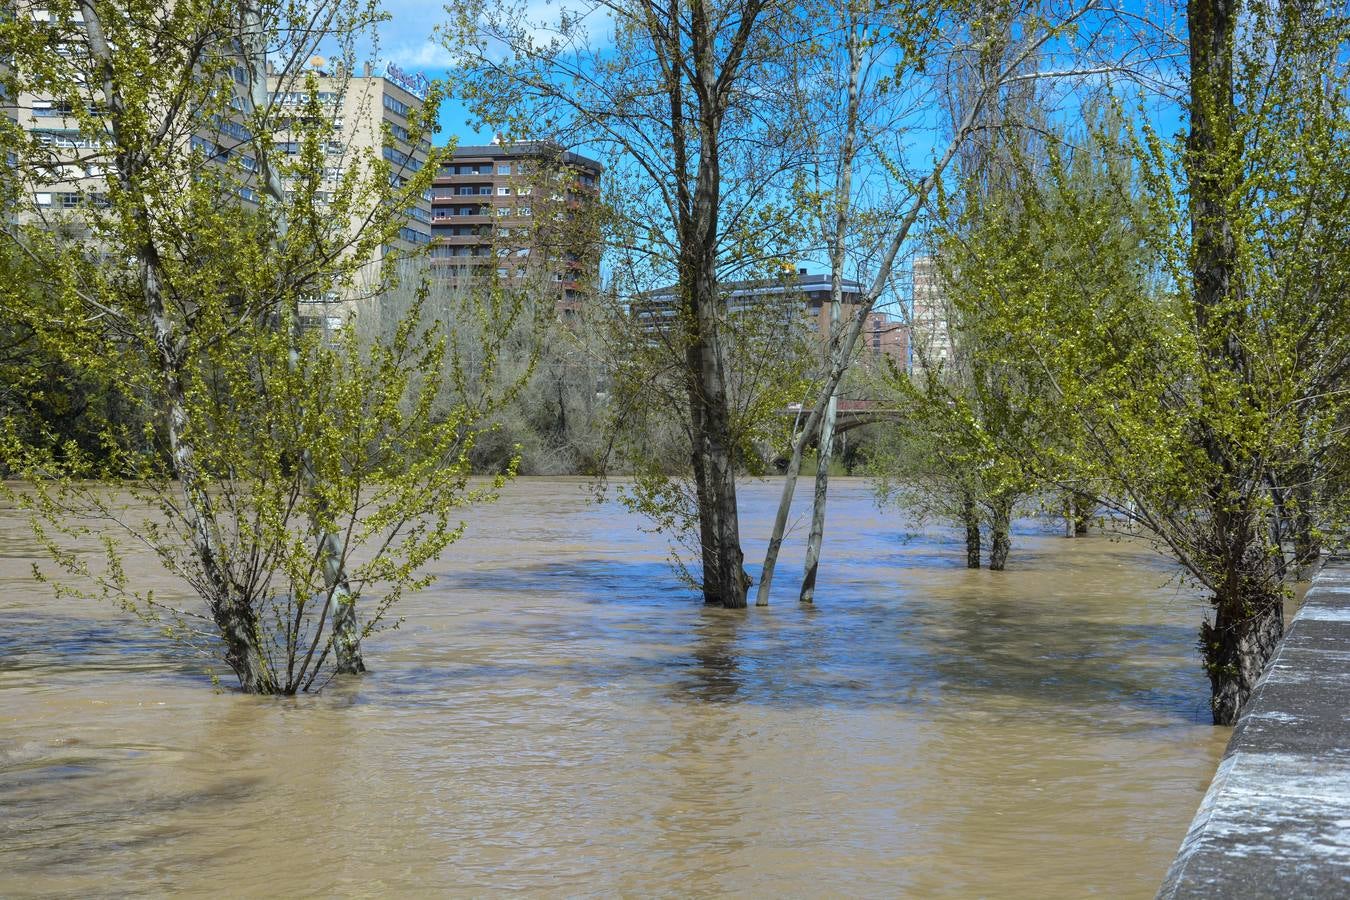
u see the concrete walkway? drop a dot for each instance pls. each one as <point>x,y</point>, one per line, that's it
<point>1276,820</point>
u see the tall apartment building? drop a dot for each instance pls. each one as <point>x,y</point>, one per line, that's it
<point>362,104</point>
<point>519,211</point>
<point>931,338</point>
<point>363,107</point>
<point>76,177</point>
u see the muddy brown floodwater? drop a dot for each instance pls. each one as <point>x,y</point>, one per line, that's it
<point>559,716</point>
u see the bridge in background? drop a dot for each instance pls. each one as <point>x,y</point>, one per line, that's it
<point>852,414</point>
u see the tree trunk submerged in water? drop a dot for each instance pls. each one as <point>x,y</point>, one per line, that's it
<point>346,629</point>
<point>713,455</point>
<point>1083,506</point>
<point>713,452</point>
<point>1000,534</point>
<point>1236,646</point>
<point>825,457</point>
<point>235,619</point>
<point>1248,610</point>
<point>971,519</point>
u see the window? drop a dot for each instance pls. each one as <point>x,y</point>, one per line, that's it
<point>300,98</point>
<point>504,169</point>
<point>503,192</point>
<point>503,211</point>
<point>233,129</point>
<point>524,211</point>
<point>71,139</point>
<point>398,157</point>
<point>397,107</point>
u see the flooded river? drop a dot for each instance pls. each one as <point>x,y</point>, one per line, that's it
<point>559,716</point>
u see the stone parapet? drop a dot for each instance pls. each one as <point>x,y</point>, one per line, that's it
<point>1276,819</point>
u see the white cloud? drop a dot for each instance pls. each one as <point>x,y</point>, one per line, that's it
<point>407,38</point>
<point>427,55</point>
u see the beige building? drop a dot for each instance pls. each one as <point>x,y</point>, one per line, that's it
<point>371,114</point>
<point>931,338</point>
<point>76,176</point>
<point>371,111</point>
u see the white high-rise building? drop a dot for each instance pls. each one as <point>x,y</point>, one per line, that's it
<point>931,335</point>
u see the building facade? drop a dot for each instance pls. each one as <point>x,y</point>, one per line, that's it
<point>887,338</point>
<point>881,335</point>
<point>370,114</point>
<point>369,110</point>
<point>521,212</point>
<point>931,338</point>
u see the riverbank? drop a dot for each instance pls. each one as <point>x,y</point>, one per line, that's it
<point>1273,822</point>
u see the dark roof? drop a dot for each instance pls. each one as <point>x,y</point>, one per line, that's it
<point>513,149</point>
<point>760,287</point>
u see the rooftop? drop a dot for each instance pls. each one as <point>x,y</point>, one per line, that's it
<point>529,149</point>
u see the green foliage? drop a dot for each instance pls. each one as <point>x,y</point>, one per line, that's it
<point>283,475</point>
<point>772,353</point>
<point>1214,425</point>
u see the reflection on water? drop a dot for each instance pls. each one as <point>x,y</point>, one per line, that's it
<point>558,716</point>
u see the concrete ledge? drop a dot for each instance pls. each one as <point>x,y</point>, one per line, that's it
<point>1276,819</point>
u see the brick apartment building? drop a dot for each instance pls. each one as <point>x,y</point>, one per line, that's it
<point>521,211</point>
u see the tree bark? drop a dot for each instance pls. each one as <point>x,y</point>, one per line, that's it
<point>1083,506</point>
<point>1248,613</point>
<point>1236,646</point>
<point>842,201</point>
<point>1000,534</point>
<point>817,535</point>
<point>235,619</point>
<point>971,519</point>
<point>346,628</point>
<point>713,451</point>
<point>842,350</point>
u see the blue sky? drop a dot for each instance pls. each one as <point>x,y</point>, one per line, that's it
<point>408,40</point>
